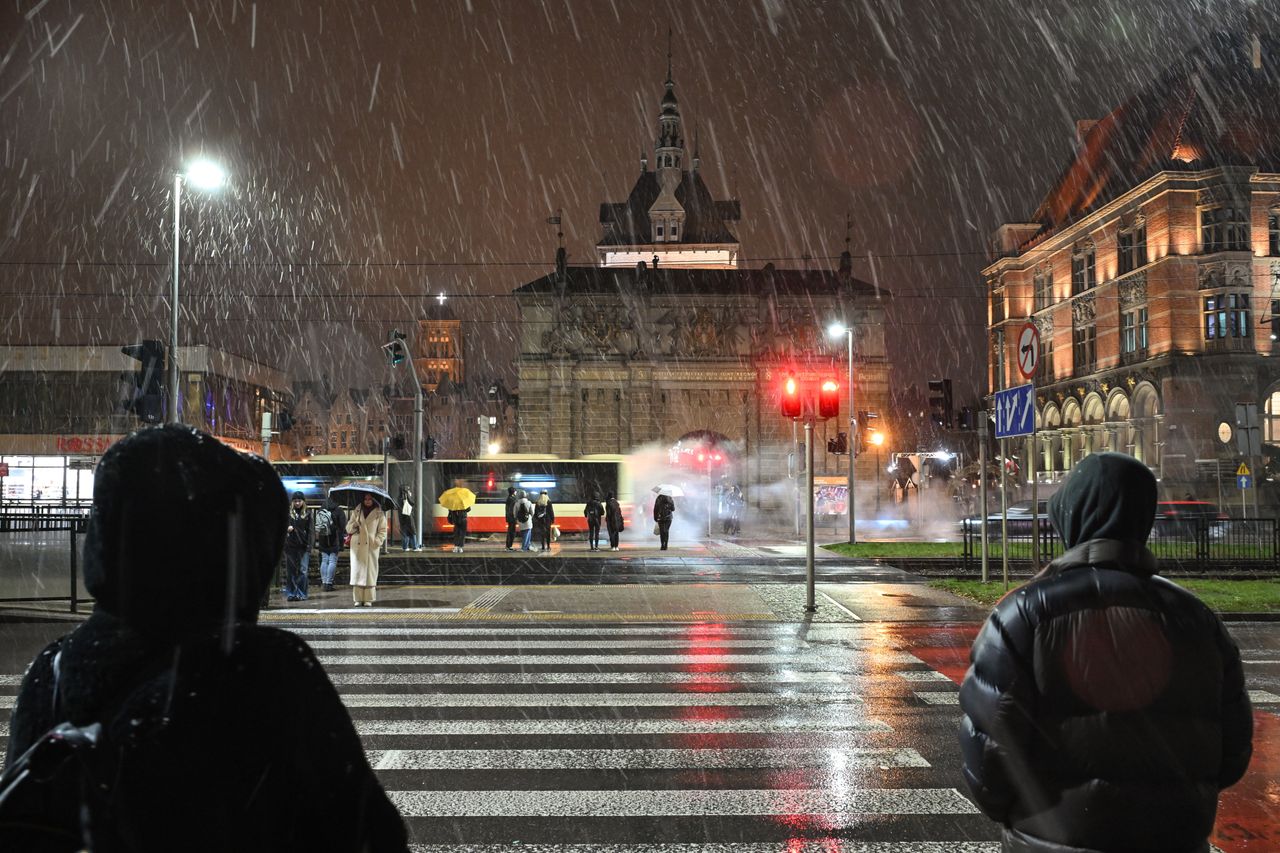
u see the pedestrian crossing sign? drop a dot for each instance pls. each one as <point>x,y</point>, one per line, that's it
<point>1243,470</point>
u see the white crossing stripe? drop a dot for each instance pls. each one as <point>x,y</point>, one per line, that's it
<point>523,631</point>
<point>921,675</point>
<point>587,700</point>
<point>949,697</point>
<point>698,803</point>
<point>824,845</point>
<point>8,701</point>
<point>1263,697</point>
<point>11,680</point>
<point>828,658</point>
<point>639,759</point>
<point>486,601</point>
<point>612,727</point>
<point>823,680</point>
<point>517,644</point>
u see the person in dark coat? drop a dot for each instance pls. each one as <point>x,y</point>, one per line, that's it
<point>1105,707</point>
<point>458,518</point>
<point>593,510</point>
<point>613,520</point>
<point>297,543</point>
<point>664,511</point>
<point>512,502</point>
<point>330,543</point>
<point>219,735</point>
<point>408,534</point>
<point>544,515</point>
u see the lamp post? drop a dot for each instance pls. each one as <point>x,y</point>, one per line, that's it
<point>835,330</point>
<point>877,438</point>
<point>205,175</point>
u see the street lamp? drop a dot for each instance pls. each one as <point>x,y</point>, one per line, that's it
<point>204,175</point>
<point>835,330</point>
<point>877,438</point>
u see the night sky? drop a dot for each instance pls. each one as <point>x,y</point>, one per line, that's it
<point>382,152</point>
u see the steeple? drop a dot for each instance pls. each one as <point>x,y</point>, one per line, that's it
<point>670,145</point>
<point>666,214</point>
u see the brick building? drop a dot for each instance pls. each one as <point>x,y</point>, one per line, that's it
<point>1152,271</point>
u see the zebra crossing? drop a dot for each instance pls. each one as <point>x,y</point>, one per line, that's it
<point>682,738</point>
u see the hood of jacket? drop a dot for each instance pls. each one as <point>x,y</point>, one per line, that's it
<point>184,532</point>
<point>1107,496</point>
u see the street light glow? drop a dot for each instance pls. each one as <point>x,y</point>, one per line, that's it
<point>494,448</point>
<point>205,175</point>
<point>836,330</point>
<point>877,438</point>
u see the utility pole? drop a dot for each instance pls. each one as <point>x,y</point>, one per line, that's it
<point>810,606</point>
<point>982,489</point>
<point>398,350</point>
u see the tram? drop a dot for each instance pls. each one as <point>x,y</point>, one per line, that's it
<point>568,482</point>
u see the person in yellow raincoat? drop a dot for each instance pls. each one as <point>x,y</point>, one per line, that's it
<point>367,527</point>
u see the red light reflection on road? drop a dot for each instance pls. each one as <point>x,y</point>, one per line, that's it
<point>1249,812</point>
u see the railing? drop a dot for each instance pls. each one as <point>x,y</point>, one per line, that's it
<point>39,554</point>
<point>1193,545</point>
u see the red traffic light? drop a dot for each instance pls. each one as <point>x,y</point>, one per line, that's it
<point>829,399</point>
<point>792,406</point>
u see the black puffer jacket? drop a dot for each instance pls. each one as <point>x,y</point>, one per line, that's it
<point>220,735</point>
<point>1105,707</point>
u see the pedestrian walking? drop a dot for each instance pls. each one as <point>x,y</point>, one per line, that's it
<point>458,518</point>
<point>331,523</point>
<point>613,520</point>
<point>524,518</point>
<point>544,515</point>
<point>512,524</point>
<point>594,512</point>
<point>217,733</point>
<point>1104,707</point>
<point>664,511</point>
<point>297,543</point>
<point>368,528</point>
<point>409,540</point>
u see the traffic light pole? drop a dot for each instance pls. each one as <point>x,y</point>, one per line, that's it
<point>174,416</point>
<point>853,455</point>
<point>809,605</point>
<point>418,443</point>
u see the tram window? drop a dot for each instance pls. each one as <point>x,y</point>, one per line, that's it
<point>565,482</point>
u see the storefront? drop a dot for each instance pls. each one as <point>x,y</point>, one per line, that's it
<point>52,470</point>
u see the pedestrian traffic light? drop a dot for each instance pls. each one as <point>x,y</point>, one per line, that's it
<point>431,448</point>
<point>829,399</point>
<point>147,399</point>
<point>397,442</point>
<point>968,419</point>
<point>792,405</point>
<point>839,444</point>
<point>940,402</point>
<point>395,348</point>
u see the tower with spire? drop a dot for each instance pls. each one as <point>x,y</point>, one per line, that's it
<point>670,217</point>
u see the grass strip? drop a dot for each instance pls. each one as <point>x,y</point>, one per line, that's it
<point>888,550</point>
<point>1224,596</point>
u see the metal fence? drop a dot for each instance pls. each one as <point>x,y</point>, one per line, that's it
<point>40,556</point>
<point>1228,546</point>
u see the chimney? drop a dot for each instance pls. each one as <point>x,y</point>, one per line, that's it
<point>1083,126</point>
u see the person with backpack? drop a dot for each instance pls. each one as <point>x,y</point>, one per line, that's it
<point>524,518</point>
<point>544,515</point>
<point>217,734</point>
<point>664,511</point>
<point>408,534</point>
<point>512,500</point>
<point>331,521</point>
<point>297,543</point>
<point>594,512</point>
<point>613,520</point>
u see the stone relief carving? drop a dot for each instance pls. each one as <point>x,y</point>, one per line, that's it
<point>1044,325</point>
<point>1084,310</point>
<point>1133,290</point>
<point>1232,274</point>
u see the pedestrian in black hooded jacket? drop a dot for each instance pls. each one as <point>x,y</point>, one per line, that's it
<point>1105,707</point>
<point>219,735</point>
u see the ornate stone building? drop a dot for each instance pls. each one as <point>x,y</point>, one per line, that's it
<point>1152,269</point>
<point>667,337</point>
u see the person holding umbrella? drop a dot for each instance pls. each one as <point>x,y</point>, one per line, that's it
<point>458,501</point>
<point>664,511</point>
<point>368,529</point>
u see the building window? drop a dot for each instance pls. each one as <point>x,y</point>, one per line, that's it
<point>1275,320</point>
<point>1132,249</point>
<point>1226,316</point>
<point>658,232</point>
<point>1083,271</point>
<point>997,307</point>
<point>1271,418</point>
<point>1133,333</point>
<point>1224,229</point>
<point>1044,370</point>
<point>1273,233</point>
<point>675,231</point>
<point>1084,348</point>
<point>1042,284</point>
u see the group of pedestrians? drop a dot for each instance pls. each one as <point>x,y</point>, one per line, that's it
<point>533,521</point>
<point>324,531</point>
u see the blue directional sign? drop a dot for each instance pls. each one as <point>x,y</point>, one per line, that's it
<point>1016,411</point>
<point>1244,481</point>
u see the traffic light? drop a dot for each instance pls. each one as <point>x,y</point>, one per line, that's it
<point>395,348</point>
<point>792,405</point>
<point>431,448</point>
<point>397,442</point>
<point>829,399</point>
<point>147,399</point>
<point>940,402</point>
<point>839,444</point>
<point>968,419</point>
<point>285,420</point>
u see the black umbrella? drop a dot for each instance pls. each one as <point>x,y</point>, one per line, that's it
<point>351,494</point>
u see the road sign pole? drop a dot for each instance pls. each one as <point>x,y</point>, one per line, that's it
<point>809,605</point>
<point>982,489</point>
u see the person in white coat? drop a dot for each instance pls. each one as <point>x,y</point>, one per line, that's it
<point>368,528</point>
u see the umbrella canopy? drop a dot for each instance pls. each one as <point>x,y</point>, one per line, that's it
<point>457,498</point>
<point>668,490</point>
<point>351,494</point>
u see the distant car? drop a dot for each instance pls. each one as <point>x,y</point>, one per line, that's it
<point>1020,519</point>
<point>1184,518</point>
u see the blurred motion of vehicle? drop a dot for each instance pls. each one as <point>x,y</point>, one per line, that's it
<point>1020,519</point>
<point>1186,518</point>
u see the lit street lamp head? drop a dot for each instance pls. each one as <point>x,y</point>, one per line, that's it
<point>205,175</point>
<point>836,330</point>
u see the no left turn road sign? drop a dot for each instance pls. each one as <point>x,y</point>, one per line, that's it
<point>1028,351</point>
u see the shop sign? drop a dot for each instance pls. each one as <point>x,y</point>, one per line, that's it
<point>83,444</point>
